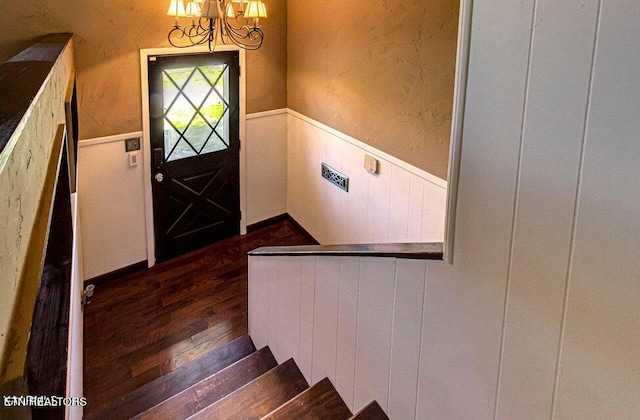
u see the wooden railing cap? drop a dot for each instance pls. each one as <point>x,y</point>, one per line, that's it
<point>424,251</point>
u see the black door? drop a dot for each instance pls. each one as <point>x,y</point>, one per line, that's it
<point>194,129</point>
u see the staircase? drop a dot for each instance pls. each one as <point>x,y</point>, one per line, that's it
<point>236,381</point>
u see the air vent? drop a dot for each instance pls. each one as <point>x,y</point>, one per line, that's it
<point>335,177</point>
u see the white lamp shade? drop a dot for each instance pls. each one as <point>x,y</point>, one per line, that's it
<point>210,9</point>
<point>231,13</point>
<point>193,9</point>
<point>255,9</point>
<point>176,8</point>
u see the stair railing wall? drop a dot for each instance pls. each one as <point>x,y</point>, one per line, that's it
<point>38,351</point>
<point>357,320</point>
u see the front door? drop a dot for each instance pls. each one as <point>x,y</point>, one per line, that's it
<point>194,131</point>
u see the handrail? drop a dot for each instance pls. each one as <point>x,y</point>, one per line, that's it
<point>423,251</point>
<point>22,77</point>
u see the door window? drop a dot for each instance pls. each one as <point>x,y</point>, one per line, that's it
<point>196,113</point>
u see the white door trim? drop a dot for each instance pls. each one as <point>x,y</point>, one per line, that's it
<point>457,123</point>
<point>144,76</point>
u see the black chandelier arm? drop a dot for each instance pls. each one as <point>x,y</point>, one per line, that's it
<point>209,31</point>
<point>240,36</point>
<point>195,30</point>
<point>239,19</point>
<point>252,32</point>
<point>188,36</point>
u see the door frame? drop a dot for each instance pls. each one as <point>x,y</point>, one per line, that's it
<point>146,140</point>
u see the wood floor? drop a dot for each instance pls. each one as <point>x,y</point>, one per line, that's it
<point>147,324</point>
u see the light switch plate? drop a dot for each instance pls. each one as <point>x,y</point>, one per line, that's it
<point>132,144</point>
<point>133,159</point>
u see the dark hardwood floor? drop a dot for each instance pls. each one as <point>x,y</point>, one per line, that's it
<point>145,325</point>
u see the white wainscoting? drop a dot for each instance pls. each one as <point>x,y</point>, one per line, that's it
<point>111,196</point>
<point>266,145</point>
<point>399,204</point>
<point>355,320</point>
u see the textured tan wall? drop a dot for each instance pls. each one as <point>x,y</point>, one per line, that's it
<point>380,71</point>
<point>108,37</point>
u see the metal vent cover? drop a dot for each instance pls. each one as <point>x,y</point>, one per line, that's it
<point>335,177</point>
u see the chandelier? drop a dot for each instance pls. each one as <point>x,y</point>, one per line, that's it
<point>234,21</point>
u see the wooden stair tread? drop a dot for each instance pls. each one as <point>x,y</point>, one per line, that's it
<point>213,388</point>
<point>260,396</point>
<point>321,401</point>
<point>371,412</point>
<point>176,381</point>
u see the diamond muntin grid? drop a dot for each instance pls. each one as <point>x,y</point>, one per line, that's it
<point>189,136</point>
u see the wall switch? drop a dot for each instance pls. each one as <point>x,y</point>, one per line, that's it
<point>132,144</point>
<point>370,164</point>
<point>133,159</point>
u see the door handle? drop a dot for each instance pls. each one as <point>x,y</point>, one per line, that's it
<point>158,156</point>
<point>159,177</point>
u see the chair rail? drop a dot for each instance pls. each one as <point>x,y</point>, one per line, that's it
<point>423,251</point>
